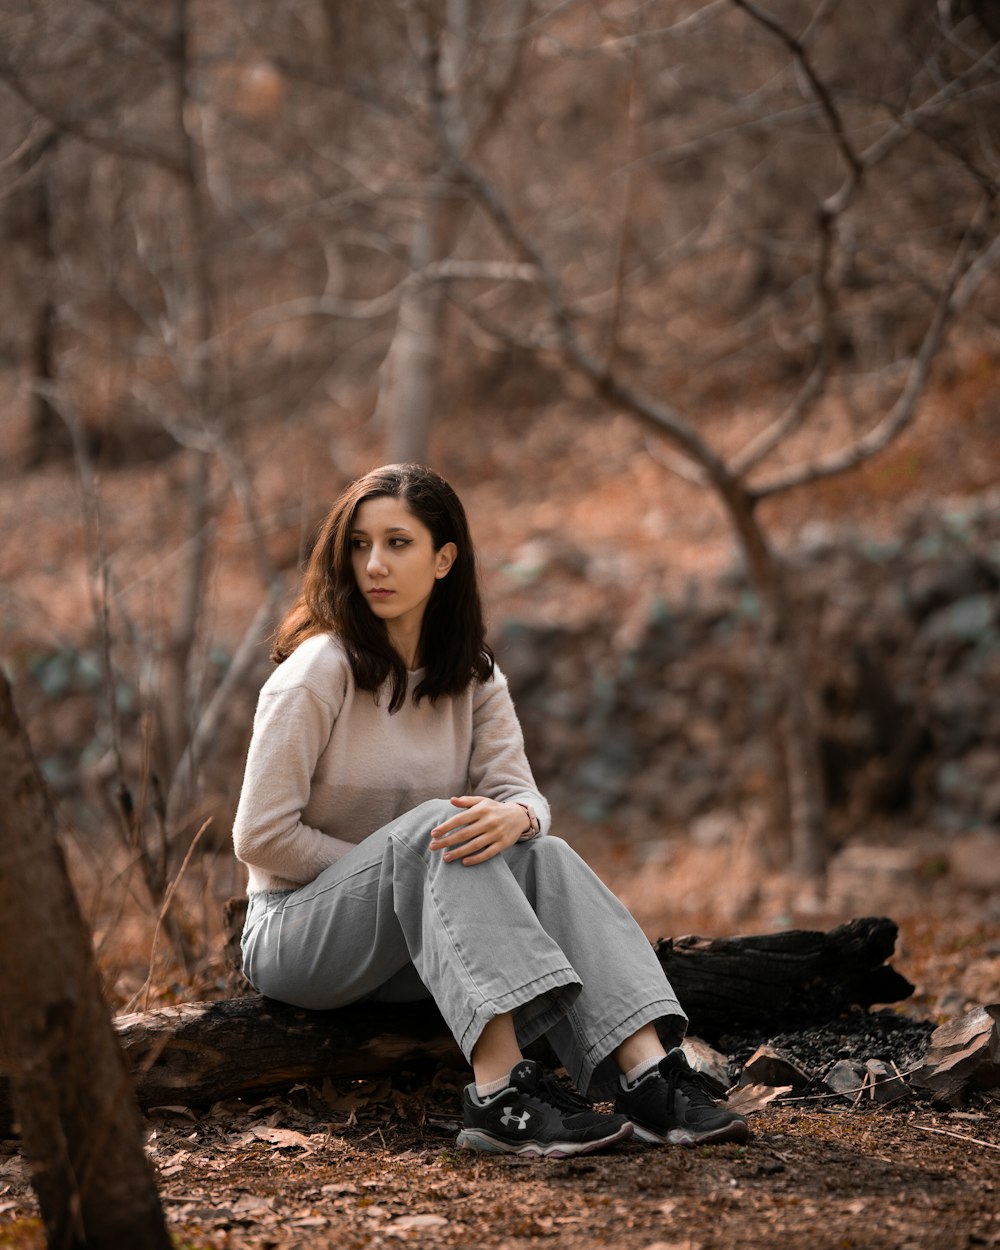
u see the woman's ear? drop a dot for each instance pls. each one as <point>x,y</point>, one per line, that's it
<point>444,559</point>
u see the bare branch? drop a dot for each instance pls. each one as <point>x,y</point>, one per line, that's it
<point>904,410</point>
<point>33,146</point>
<point>815,384</point>
<point>653,411</point>
<point>496,94</point>
<point>687,470</point>
<point>131,25</point>
<point>447,270</point>
<point>704,142</point>
<point>910,120</point>
<point>625,213</point>
<point>855,164</point>
<point>113,144</point>
<point>205,735</point>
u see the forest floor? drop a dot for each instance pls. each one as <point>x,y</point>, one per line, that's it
<point>289,1174</point>
<point>374,1163</point>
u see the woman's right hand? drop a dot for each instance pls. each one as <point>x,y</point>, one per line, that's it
<point>481,829</point>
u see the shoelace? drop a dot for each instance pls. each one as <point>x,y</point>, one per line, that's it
<point>693,1085</point>
<point>549,1090</point>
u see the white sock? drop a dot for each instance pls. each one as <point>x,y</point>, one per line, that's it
<point>634,1075</point>
<point>492,1087</point>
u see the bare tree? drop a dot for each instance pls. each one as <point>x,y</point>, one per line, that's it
<point>80,1125</point>
<point>590,344</point>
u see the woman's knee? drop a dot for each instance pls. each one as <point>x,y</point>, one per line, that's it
<point>414,827</point>
<point>550,848</point>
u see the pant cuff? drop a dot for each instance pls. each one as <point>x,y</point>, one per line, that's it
<point>598,1072</point>
<point>536,1006</point>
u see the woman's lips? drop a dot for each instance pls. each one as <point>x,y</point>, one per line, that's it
<point>379,592</point>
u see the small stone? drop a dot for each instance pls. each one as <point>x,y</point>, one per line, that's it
<point>884,1083</point>
<point>844,1078</point>
<point>963,1055</point>
<point>974,860</point>
<point>767,1066</point>
<point>710,1064</point>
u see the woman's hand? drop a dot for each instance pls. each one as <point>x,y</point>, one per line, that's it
<point>482,829</point>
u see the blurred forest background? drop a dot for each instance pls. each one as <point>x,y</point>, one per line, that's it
<point>696,305</point>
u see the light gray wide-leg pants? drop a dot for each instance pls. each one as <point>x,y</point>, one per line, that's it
<point>532,931</point>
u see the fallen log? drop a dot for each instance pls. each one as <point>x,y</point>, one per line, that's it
<point>196,1054</point>
<point>789,979</point>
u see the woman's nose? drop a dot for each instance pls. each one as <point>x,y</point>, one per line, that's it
<point>375,562</point>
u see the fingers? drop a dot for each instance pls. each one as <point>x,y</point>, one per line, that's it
<point>481,830</point>
<point>461,820</point>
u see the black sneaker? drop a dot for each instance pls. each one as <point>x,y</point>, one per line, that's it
<point>671,1104</point>
<point>535,1115</point>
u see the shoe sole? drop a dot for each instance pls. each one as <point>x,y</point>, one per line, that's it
<point>485,1143</point>
<point>738,1131</point>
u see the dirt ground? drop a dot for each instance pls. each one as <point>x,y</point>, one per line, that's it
<point>294,1172</point>
<point>371,1163</point>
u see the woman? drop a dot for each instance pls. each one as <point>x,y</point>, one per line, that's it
<point>397,845</point>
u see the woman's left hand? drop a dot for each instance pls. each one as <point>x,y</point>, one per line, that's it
<point>482,829</point>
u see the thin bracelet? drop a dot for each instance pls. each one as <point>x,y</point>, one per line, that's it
<point>533,828</point>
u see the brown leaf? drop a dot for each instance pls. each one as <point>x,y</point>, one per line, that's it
<point>403,1223</point>
<point>285,1138</point>
<point>750,1098</point>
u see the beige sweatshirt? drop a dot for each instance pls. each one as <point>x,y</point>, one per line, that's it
<point>328,765</point>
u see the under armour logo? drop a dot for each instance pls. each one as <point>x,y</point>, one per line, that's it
<point>509,1118</point>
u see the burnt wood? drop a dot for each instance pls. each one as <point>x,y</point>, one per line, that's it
<point>790,979</point>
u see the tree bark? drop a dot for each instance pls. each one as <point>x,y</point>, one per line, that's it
<point>788,980</point>
<point>409,387</point>
<point>80,1125</point>
<point>49,439</point>
<point>787,665</point>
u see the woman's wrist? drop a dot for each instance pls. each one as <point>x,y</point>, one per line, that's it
<point>533,825</point>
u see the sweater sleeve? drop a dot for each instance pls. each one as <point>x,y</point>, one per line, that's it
<point>291,728</point>
<point>498,766</point>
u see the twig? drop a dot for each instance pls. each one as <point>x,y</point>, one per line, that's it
<point>868,1083</point>
<point>946,1132</point>
<point>204,734</point>
<point>172,890</point>
<point>682,467</point>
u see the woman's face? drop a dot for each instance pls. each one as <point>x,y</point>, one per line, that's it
<point>395,564</point>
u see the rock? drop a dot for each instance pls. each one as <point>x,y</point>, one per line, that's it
<point>964,621</point>
<point>767,1066</point>
<point>932,587</point>
<point>974,860</point>
<point>708,1063</point>
<point>844,1078</point>
<point>963,1056</point>
<point>883,1083</point>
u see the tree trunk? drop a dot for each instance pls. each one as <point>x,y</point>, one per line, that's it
<point>788,670</point>
<point>49,438</point>
<point>409,388</point>
<point>71,1090</point>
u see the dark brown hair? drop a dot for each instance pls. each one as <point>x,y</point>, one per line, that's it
<point>453,648</point>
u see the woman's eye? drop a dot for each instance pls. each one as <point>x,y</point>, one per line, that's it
<point>357,544</point>
<point>400,542</point>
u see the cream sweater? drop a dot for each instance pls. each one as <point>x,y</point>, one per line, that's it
<point>328,765</point>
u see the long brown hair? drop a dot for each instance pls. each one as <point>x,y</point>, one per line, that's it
<point>453,648</point>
